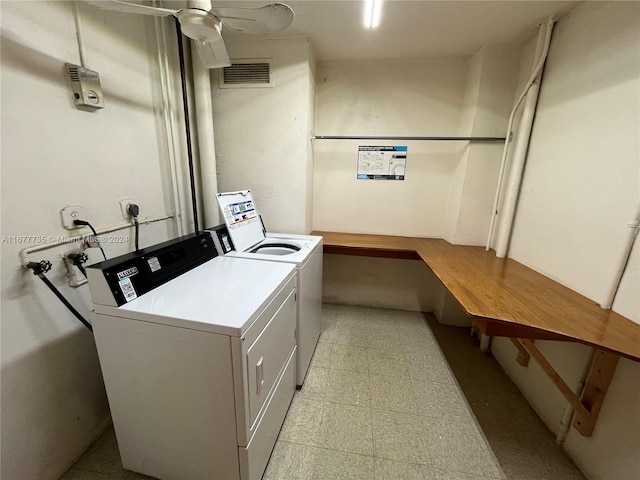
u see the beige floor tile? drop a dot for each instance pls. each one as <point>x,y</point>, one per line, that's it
<point>290,460</point>
<point>408,317</point>
<point>418,345</point>
<point>334,465</point>
<point>393,470</point>
<point>428,369</point>
<point>351,336</point>
<point>386,362</point>
<point>460,446</point>
<point>315,384</point>
<point>442,400</point>
<point>79,474</point>
<point>400,436</point>
<point>383,340</point>
<point>527,471</point>
<point>445,474</point>
<point>390,392</point>
<point>322,355</point>
<point>553,456</point>
<point>129,475</point>
<point>355,321</point>
<point>346,428</point>
<point>327,333</point>
<point>350,388</point>
<point>102,460</point>
<point>302,423</point>
<point>383,326</point>
<point>330,312</point>
<point>349,358</point>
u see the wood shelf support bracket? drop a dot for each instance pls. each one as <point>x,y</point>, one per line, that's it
<point>588,406</point>
<point>595,389</point>
<point>523,356</point>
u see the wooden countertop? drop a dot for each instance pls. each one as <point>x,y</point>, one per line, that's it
<point>503,297</point>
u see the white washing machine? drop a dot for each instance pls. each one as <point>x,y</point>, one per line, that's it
<point>198,356</point>
<point>244,236</point>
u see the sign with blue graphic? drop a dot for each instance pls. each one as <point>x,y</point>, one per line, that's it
<point>382,163</point>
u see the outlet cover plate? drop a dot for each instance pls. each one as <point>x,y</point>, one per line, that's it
<point>123,206</point>
<point>69,214</point>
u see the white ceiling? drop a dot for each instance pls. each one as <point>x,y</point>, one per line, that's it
<point>412,29</point>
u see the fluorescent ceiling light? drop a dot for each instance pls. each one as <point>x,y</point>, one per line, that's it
<point>372,12</point>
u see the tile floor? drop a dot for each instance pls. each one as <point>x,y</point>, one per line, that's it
<point>384,399</point>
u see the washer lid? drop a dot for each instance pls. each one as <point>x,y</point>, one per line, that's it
<point>242,219</point>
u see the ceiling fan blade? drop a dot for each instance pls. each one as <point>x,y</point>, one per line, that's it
<point>120,6</point>
<point>265,20</point>
<point>213,54</point>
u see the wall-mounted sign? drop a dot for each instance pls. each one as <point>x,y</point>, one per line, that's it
<point>382,163</point>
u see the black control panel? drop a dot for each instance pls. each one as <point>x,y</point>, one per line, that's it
<point>135,274</point>
<point>221,238</point>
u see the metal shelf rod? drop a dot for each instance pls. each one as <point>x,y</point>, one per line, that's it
<point>448,139</point>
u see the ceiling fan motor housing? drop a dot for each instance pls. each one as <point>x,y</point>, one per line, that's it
<point>200,25</point>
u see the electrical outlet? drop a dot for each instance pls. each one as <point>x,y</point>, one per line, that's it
<point>123,206</point>
<point>69,214</point>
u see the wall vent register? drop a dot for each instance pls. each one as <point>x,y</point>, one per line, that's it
<point>246,74</point>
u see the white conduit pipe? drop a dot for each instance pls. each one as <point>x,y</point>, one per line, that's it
<point>535,74</point>
<point>565,423</point>
<point>169,126</point>
<point>24,253</point>
<point>206,146</point>
<point>515,175</point>
<point>76,18</point>
<point>634,226</point>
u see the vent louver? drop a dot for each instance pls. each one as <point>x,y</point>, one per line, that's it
<point>74,75</point>
<point>244,75</point>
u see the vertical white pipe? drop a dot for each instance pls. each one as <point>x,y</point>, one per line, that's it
<point>542,49</point>
<point>76,19</point>
<point>204,125</point>
<point>633,225</point>
<point>169,125</point>
<point>517,168</point>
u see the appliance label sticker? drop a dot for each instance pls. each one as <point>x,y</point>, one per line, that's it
<point>240,214</point>
<point>154,264</point>
<point>129,272</point>
<point>381,163</point>
<point>127,289</point>
<point>226,243</point>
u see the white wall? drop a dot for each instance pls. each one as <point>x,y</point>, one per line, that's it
<point>53,155</point>
<point>581,187</point>
<point>379,282</point>
<point>262,134</point>
<point>311,87</point>
<point>491,81</point>
<point>386,99</point>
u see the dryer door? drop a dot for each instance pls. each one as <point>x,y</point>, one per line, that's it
<point>267,355</point>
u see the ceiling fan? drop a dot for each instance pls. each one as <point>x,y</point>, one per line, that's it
<point>203,23</point>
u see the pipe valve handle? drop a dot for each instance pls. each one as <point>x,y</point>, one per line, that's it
<point>41,267</point>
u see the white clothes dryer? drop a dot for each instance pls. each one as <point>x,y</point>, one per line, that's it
<point>198,357</point>
<point>243,236</point>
